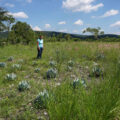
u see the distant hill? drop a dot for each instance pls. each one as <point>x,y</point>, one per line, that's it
<point>51,33</point>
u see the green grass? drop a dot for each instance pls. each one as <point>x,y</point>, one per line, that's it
<point>99,101</point>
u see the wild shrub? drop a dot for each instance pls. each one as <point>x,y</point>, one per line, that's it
<point>37,70</point>
<point>52,64</point>
<point>41,100</point>
<point>11,77</point>
<point>2,64</point>
<point>23,85</point>
<point>16,66</point>
<point>11,58</point>
<point>51,73</point>
<point>79,82</point>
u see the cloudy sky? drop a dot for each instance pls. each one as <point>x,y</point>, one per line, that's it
<point>70,16</point>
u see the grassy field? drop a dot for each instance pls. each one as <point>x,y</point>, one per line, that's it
<point>97,99</point>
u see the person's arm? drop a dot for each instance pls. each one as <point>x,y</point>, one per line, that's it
<point>38,45</point>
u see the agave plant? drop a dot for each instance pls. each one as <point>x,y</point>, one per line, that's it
<point>79,82</point>
<point>11,58</point>
<point>100,56</point>
<point>71,63</point>
<point>37,70</point>
<point>51,73</point>
<point>11,77</point>
<point>52,63</point>
<point>69,68</point>
<point>41,99</point>
<point>23,85</point>
<point>96,71</point>
<point>20,61</point>
<point>34,63</point>
<point>16,66</point>
<point>2,64</point>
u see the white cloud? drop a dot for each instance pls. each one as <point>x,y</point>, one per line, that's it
<point>9,5</point>
<point>36,28</point>
<point>81,5</point>
<point>19,15</point>
<point>63,30</point>
<point>75,31</point>
<point>29,1</point>
<point>78,22</point>
<point>116,24</point>
<point>62,23</point>
<point>111,13</point>
<point>47,26</point>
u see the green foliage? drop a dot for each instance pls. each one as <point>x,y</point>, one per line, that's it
<point>94,31</point>
<point>41,100</point>
<point>22,33</point>
<point>5,20</point>
<point>23,85</point>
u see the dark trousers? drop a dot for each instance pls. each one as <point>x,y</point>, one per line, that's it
<point>39,55</point>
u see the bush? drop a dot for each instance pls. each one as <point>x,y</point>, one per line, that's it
<point>2,64</point>
<point>79,82</point>
<point>37,70</point>
<point>11,58</point>
<point>41,100</point>
<point>11,77</point>
<point>23,85</point>
<point>51,73</point>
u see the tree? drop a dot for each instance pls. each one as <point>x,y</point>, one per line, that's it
<point>59,36</point>
<point>10,20</point>
<point>5,20</point>
<point>67,37</point>
<point>22,32</point>
<point>94,31</point>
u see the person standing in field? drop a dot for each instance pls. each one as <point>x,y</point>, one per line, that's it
<point>40,47</point>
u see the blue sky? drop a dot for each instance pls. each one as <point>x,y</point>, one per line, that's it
<point>70,16</point>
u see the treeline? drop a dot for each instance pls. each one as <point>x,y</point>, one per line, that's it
<point>15,32</point>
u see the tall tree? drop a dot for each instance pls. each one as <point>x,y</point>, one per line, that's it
<point>5,20</point>
<point>94,31</point>
<point>23,32</point>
